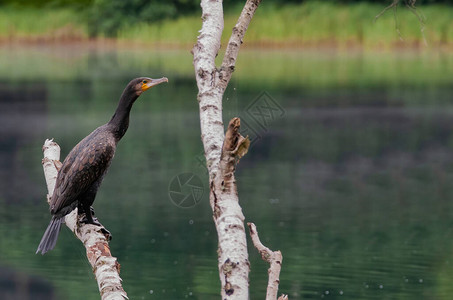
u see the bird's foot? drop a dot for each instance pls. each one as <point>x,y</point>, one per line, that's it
<point>89,219</point>
<point>82,210</point>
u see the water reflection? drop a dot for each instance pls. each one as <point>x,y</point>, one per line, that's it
<point>16,285</point>
<point>351,182</point>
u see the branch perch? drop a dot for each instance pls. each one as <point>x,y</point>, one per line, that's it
<point>105,267</point>
<point>274,258</point>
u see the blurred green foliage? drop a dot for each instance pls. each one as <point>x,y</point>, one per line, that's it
<point>108,17</point>
<point>309,23</point>
<point>48,3</point>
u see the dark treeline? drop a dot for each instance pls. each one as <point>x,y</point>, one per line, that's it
<point>108,16</point>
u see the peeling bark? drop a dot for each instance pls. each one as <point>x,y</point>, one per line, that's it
<point>105,267</point>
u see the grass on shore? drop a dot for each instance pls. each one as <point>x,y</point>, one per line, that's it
<point>37,23</point>
<point>310,23</point>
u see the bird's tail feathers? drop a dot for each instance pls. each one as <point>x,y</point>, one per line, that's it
<point>50,237</point>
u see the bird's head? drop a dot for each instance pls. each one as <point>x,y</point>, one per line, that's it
<point>141,84</point>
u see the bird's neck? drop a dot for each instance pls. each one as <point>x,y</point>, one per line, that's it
<point>120,120</point>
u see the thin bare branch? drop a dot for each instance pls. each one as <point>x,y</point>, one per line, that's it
<point>393,5</point>
<point>274,258</point>
<point>232,50</point>
<point>397,26</point>
<point>421,18</point>
<point>105,267</point>
<point>410,4</point>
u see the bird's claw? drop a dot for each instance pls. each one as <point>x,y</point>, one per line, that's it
<point>94,221</point>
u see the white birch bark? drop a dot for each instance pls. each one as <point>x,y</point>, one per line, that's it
<point>233,261</point>
<point>105,267</point>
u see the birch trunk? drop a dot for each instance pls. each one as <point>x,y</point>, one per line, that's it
<point>220,152</point>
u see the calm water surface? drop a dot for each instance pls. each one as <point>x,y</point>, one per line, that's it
<point>349,173</point>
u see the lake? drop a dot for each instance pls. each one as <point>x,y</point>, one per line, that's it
<point>349,173</point>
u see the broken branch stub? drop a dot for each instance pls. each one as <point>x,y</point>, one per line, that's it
<point>235,144</point>
<point>234,147</point>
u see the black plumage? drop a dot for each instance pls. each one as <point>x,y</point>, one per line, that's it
<point>84,168</point>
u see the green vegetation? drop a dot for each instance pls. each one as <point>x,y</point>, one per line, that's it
<point>38,23</point>
<point>309,23</point>
<point>109,16</point>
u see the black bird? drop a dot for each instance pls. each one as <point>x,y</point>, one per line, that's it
<point>84,168</point>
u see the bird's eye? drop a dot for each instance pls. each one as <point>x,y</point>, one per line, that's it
<point>145,81</point>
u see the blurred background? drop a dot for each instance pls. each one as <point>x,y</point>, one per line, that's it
<point>349,173</point>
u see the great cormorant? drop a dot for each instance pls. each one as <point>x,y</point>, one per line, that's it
<point>84,168</point>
